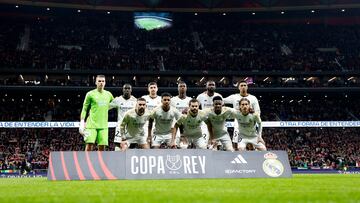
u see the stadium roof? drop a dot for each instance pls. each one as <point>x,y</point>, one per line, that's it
<point>192,5</point>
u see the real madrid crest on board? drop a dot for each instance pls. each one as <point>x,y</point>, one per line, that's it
<point>271,166</point>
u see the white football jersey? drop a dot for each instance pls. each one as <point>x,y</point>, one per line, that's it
<point>192,125</point>
<point>218,120</point>
<point>133,124</point>
<point>247,124</point>
<point>151,103</point>
<point>180,104</point>
<point>235,98</point>
<point>123,105</point>
<point>205,100</point>
<point>164,120</point>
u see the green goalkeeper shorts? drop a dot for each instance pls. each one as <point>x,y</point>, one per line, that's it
<point>100,136</point>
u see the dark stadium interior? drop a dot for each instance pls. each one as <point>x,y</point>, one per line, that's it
<point>303,66</point>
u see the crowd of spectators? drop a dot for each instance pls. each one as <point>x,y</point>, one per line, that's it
<point>273,108</point>
<point>83,43</point>
<point>316,148</point>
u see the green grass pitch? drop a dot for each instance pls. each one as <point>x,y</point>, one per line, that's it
<point>300,188</point>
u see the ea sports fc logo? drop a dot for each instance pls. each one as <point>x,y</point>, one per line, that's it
<point>271,166</point>
<point>173,163</point>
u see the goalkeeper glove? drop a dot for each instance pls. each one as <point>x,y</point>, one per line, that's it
<point>82,127</point>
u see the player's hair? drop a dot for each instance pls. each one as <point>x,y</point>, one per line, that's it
<point>182,82</point>
<point>100,76</point>
<point>127,84</point>
<point>152,83</point>
<point>165,94</point>
<point>193,101</point>
<point>244,99</point>
<point>141,99</point>
<point>241,81</point>
<point>210,81</point>
<point>217,98</point>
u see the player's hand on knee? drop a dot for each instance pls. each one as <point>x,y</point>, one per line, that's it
<point>173,144</point>
<point>261,140</point>
<point>213,144</point>
<point>148,140</point>
<point>123,145</point>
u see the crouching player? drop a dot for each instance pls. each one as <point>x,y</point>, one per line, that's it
<point>192,126</point>
<point>132,126</point>
<point>247,127</point>
<point>217,116</point>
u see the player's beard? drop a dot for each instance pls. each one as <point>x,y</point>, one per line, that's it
<point>211,90</point>
<point>245,111</point>
<point>141,111</point>
<point>193,112</point>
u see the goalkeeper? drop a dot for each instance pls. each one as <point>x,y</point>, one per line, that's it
<point>96,130</point>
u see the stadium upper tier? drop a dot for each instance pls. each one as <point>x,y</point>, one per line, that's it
<point>91,43</point>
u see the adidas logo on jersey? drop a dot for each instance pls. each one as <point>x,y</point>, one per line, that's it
<point>239,160</point>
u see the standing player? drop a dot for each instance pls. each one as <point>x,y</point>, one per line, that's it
<point>152,99</point>
<point>206,101</point>
<point>234,99</point>
<point>123,104</point>
<point>206,98</point>
<point>181,103</point>
<point>164,117</point>
<point>249,127</point>
<point>132,126</point>
<point>192,126</point>
<point>98,101</point>
<point>217,118</point>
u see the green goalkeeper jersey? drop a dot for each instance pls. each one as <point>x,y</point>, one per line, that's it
<point>98,102</point>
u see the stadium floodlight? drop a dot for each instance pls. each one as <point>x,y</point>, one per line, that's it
<point>312,11</point>
<point>331,79</point>
<point>78,10</point>
<point>342,10</point>
<point>48,9</point>
<point>253,13</point>
<point>196,14</point>
<point>282,12</point>
<point>108,12</point>
<point>17,6</point>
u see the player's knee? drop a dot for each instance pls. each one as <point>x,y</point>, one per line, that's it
<point>101,148</point>
<point>263,148</point>
<point>229,148</point>
<point>144,146</point>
